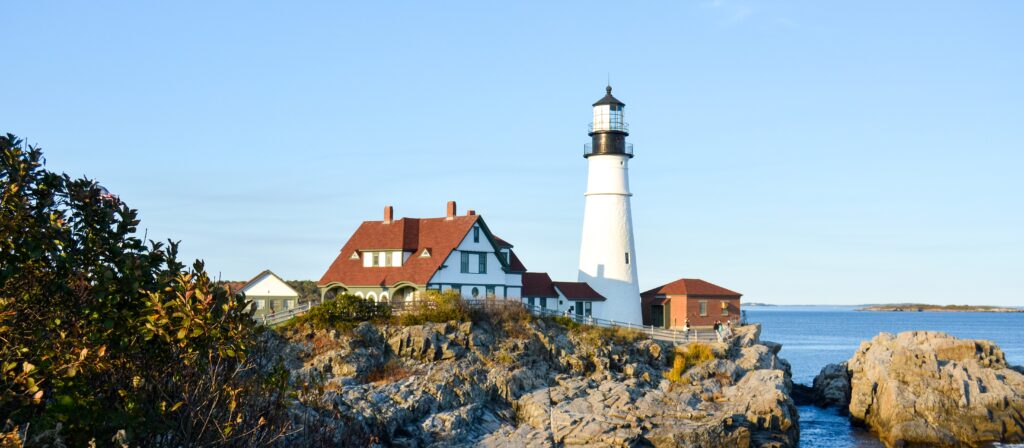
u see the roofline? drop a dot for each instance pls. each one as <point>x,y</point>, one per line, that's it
<point>268,271</point>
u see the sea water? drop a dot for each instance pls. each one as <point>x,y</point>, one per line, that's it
<point>814,336</point>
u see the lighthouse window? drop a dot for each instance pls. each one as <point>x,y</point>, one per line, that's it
<point>627,257</point>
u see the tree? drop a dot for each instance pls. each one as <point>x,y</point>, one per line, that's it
<point>101,331</point>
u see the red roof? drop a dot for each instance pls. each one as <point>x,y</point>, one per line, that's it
<point>440,235</point>
<point>515,265</point>
<point>538,284</point>
<point>578,291</point>
<point>691,287</point>
<point>502,243</point>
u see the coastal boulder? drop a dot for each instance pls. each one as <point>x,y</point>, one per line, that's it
<point>931,389</point>
<point>832,386</point>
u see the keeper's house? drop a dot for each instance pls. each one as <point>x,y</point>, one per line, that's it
<point>393,260</point>
<point>267,292</point>
<point>703,303</point>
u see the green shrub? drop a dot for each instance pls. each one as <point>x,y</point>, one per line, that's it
<point>686,357</point>
<point>344,312</point>
<point>101,331</point>
<point>435,307</point>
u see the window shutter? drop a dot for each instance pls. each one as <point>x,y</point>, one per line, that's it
<point>465,263</point>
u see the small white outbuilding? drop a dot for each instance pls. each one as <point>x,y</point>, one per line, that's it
<point>269,293</point>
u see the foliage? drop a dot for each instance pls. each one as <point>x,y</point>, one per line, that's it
<point>595,335</point>
<point>690,355</point>
<point>100,331</point>
<point>344,312</point>
<point>436,307</point>
<point>307,290</point>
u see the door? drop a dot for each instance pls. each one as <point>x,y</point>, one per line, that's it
<point>658,315</point>
<point>579,310</point>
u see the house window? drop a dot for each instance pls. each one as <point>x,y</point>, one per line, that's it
<point>287,304</point>
<point>530,301</point>
<point>376,259</point>
<point>725,308</point>
<point>703,307</point>
<point>483,263</point>
<point>490,292</point>
<point>543,302</point>
<point>465,263</point>
<point>475,292</point>
<point>259,304</point>
<point>627,257</point>
<point>476,234</point>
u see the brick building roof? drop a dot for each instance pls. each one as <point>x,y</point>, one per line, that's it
<point>691,287</point>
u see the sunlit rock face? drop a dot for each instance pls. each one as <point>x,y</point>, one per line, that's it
<point>929,389</point>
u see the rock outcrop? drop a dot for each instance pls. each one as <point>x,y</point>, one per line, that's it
<point>536,383</point>
<point>929,389</point>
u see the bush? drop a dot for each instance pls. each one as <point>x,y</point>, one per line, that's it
<point>103,332</point>
<point>436,307</point>
<point>686,357</point>
<point>344,312</point>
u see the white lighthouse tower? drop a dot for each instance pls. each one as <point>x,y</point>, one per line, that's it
<point>607,252</point>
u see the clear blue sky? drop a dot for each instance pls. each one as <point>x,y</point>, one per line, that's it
<point>795,151</point>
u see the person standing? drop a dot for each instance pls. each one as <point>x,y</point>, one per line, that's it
<point>686,330</point>
<point>718,330</point>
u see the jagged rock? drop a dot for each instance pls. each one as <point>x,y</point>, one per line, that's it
<point>463,384</point>
<point>931,389</point>
<point>832,386</point>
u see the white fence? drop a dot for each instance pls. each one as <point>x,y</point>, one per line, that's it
<point>658,333</point>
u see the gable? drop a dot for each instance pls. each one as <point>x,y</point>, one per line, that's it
<point>268,284</point>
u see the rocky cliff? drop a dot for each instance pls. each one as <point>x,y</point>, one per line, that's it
<point>534,383</point>
<point>928,389</point>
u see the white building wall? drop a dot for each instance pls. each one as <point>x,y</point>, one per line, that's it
<point>495,275</point>
<point>268,285</point>
<point>607,250</point>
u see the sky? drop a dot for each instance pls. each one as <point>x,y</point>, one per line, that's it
<point>799,152</point>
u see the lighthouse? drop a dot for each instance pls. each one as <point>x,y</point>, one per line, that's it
<point>607,252</point>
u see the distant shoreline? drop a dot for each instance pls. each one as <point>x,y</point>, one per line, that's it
<point>919,307</point>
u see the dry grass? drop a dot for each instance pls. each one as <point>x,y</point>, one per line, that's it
<point>436,307</point>
<point>389,372</point>
<point>686,357</point>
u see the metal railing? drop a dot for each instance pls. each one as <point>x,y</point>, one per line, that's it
<point>282,316</point>
<point>659,333</point>
<point>401,306</point>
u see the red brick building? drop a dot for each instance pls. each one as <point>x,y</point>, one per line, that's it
<point>703,303</point>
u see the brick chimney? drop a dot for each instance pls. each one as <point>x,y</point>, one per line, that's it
<point>451,210</point>
<point>389,214</point>
<point>470,212</point>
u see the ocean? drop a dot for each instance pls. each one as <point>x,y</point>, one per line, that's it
<point>813,336</point>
